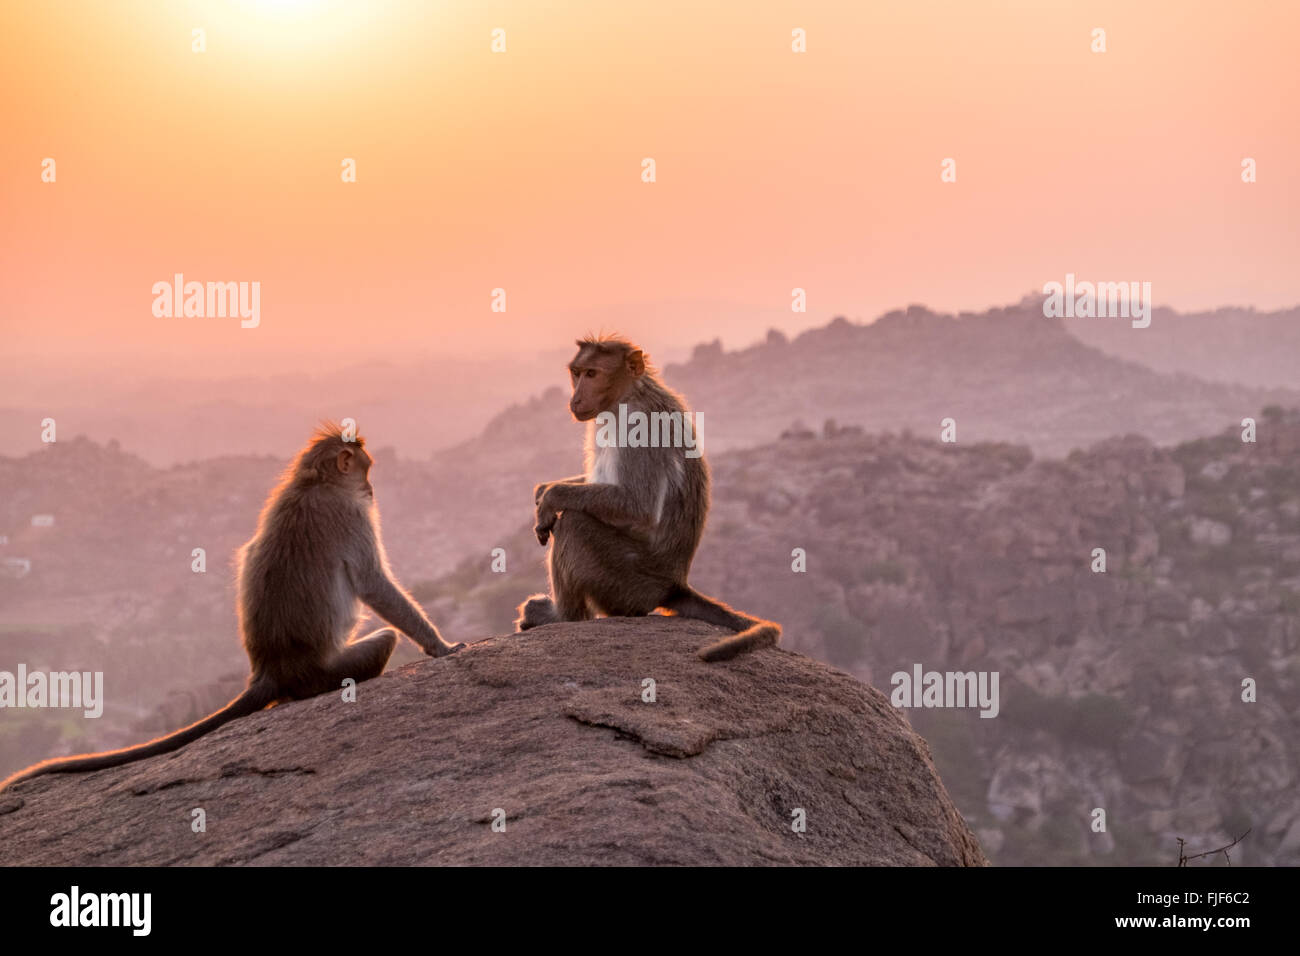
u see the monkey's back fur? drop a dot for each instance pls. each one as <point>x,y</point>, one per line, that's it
<point>275,584</point>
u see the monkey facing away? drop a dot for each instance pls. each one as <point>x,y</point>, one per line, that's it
<point>625,531</point>
<point>316,556</point>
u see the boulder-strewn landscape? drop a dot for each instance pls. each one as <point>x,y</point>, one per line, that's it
<point>770,759</point>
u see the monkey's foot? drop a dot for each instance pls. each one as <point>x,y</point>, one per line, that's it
<point>537,610</point>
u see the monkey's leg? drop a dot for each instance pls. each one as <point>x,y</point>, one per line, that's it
<point>569,602</point>
<point>537,610</point>
<point>361,659</point>
<point>612,570</point>
<point>565,565</point>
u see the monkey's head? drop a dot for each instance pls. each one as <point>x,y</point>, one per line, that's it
<point>603,372</point>
<point>329,459</point>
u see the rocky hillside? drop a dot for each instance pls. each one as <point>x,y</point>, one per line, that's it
<point>548,735</point>
<point>1120,689</point>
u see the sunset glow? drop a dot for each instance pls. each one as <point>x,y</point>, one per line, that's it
<point>520,170</point>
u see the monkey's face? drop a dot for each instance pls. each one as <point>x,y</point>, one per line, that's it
<point>600,380</point>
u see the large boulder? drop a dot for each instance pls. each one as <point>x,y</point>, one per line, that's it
<point>548,731</point>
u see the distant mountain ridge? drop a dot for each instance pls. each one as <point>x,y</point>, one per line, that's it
<point>1007,374</point>
<point>1236,345</point>
<point>1003,375</point>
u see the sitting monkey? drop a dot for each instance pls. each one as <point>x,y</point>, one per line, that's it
<point>626,531</point>
<point>316,557</point>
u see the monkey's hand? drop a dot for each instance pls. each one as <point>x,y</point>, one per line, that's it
<point>442,649</point>
<point>546,515</point>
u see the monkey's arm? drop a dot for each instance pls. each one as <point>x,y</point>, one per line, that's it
<point>615,505</point>
<point>541,489</point>
<point>387,599</point>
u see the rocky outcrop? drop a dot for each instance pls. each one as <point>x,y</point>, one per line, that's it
<point>551,732</point>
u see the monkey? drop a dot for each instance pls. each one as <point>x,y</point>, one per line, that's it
<point>626,530</point>
<point>316,556</point>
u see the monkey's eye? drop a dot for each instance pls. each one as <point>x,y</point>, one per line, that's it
<point>591,373</point>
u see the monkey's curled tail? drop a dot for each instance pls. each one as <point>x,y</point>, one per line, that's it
<point>752,633</point>
<point>258,695</point>
<point>762,634</point>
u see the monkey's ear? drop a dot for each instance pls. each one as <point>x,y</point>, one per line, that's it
<point>344,461</point>
<point>636,362</point>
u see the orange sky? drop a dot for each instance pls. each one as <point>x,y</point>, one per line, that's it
<point>522,170</point>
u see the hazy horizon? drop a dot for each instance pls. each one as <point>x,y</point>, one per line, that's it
<point>214,365</point>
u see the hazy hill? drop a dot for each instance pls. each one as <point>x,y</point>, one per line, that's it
<point>1004,375</point>
<point>1228,345</point>
<point>415,403</point>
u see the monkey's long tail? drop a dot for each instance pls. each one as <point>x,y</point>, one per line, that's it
<point>258,695</point>
<point>752,632</point>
